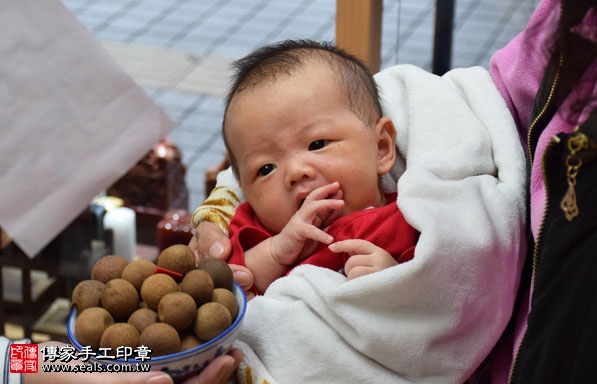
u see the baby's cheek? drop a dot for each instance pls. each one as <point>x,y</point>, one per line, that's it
<point>274,219</point>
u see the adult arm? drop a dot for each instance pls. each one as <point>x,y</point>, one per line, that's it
<point>211,221</point>
<point>212,218</point>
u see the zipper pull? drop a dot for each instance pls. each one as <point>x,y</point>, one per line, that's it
<point>576,144</point>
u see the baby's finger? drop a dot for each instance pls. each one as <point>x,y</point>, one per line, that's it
<point>339,194</point>
<point>316,211</point>
<point>324,192</point>
<point>359,265</point>
<point>352,272</point>
<point>353,247</point>
<point>311,232</point>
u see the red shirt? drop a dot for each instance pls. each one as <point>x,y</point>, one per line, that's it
<point>383,226</point>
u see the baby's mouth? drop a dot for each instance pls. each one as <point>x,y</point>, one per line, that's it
<point>301,197</point>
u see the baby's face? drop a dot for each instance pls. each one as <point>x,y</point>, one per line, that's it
<point>296,134</point>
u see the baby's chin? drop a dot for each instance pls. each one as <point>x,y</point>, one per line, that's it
<point>368,203</point>
<point>274,226</point>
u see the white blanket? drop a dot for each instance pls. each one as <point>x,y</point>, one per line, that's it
<point>435,318</point>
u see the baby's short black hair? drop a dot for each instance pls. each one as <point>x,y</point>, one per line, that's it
<point>283,58</point>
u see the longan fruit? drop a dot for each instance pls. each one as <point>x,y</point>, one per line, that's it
<point>161,338</point>
<point>189,341</point>
<point>220,272</point>
<point>142,318</point>
<point>120,335</point>
<point>227,299</point>
<point>212,319</point>
<point>137,271</point>
<point>120,298</point>
<point>87,294</point>
<point>90,326</point>
<point>155,287</point>
<point>199,284</point>
<point>108,267</point>
<point>177,309</point>
<point>178,257</point>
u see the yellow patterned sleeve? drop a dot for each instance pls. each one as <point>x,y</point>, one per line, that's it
<point>218,208</point>
<point>245,375</point>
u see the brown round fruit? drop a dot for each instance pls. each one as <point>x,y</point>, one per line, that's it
<point>220,272</point>
<point>178,257</point>
<point>155,287</point>
<point>227,299</point>
<point>189,341</point>
<point>212,319</point>
<point>142,318</point>
<point>120,298</point>
<point>108,267</point>
<point>137,271</point>
<point>119,335</point>
<point>161,338</point>
<point>87,294</point>
<point>177,309</point>
<point>90,326</point>
<point>199,284</point>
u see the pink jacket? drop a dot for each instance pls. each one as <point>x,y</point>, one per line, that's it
<point>517,70</point>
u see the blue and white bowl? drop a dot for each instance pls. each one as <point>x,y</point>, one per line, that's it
<point>180,365</point>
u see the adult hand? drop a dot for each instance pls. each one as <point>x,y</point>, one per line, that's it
<point>217,372</point>
<point>244,278</point>
<point>210,241</point>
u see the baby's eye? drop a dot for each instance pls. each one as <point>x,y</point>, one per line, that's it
<point>266,169</point>
<point>318,144</point>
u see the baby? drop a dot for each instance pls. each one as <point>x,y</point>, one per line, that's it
<point>308,145</point>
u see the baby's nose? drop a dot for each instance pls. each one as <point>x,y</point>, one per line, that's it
<point>297,172</point>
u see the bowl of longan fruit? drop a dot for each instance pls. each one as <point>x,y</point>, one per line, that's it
<point>171,315</point>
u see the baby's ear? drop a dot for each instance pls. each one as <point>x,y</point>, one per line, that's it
<point>386,145</point>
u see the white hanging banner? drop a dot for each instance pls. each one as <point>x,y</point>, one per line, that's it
<point>72,122</point>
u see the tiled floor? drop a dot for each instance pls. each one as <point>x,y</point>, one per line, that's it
<point>179,50</point>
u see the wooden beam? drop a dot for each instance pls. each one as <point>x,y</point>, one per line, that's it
<point>358,30</point>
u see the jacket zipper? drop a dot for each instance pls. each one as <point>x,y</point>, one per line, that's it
<point>547,103</point>
<point>575,143</point>
<point>554,140</point>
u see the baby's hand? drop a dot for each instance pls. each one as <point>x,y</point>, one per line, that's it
<point>305,229</point>
<point>365,258</point>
